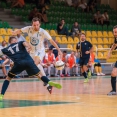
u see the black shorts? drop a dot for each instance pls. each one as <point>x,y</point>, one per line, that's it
<point>115,64</point>
<point>29,66</point>
<point>83,61</point>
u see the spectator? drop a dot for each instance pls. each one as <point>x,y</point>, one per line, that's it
<point>49,61</point>
<point>62,29</point>
<point>46,44</point>
<point>75,29</point>
<point>91,5</point>
<point>19,3</point>
<point>71,63</point>
<point>55,51</point>
<point>20,38</point>
<point>44,15</point>
<point>4,58</point>
<point>68,2</point>
<point>83,5</point>
<point>98,19</point>
<point>105,17</point>
<point>75,3</point>
<point>93,63</point>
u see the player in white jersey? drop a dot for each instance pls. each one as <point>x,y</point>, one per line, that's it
<point>37,36</point>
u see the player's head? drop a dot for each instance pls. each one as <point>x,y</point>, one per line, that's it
<point>12,40</point>
<point>115,31</point>
<point>4,43</point>
<point>36,23</point>
<point>50,50</point>
<point>83,37</point>
<point>75,23</point>
<point>64,53</point>
<point>72,53</point>
<point>62,21</point>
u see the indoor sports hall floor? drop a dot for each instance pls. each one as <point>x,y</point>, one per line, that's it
<point>29,98</point>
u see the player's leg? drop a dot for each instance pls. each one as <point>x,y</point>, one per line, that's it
<point>16,69</point>
<point>33,70</point>
<point>113,80</point>
<point>100,69</point>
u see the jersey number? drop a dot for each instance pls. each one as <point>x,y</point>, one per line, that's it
<point>11,49</point>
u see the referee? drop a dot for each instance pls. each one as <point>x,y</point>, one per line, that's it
<point>84,48</point>
<point>114,71</point>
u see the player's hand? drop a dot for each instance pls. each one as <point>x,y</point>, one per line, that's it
<point>87,52</point>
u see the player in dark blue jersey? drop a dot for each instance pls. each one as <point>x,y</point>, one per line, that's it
<point>17,52</point>
<point>84,48</point>
<point>114,71</point>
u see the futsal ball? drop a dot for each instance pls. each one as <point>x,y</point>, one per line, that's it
<point>59,65</point>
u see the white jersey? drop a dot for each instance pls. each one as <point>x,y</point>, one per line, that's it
<point>36,38</point>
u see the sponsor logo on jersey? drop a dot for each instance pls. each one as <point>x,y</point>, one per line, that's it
<point>34,41</point>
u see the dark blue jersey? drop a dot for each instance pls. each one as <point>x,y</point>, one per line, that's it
<point>83,47</point>
<point>17,52</point>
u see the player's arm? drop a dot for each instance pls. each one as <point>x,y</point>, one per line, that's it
<point>27,45</point>
<point>110,51</point>
<point>22,30</point>
<point>47,36</point>
<point>90,48</point>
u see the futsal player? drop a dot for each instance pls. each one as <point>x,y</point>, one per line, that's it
<point>114,71</point>
<point>37,36</point>
<point>84,47</point>
<point>17,52</point>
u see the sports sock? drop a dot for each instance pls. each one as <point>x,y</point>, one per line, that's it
<point>45,79</point>
<point>84,74</point>
<point>113,83</point>
<point>5,86</point>
<point>41,69</point>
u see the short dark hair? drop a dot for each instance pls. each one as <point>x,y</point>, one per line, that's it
<point>36,19</point>
<point>115,27</point>
<point>64,51</point>
<point>11,38</point>
<point>62,19</point>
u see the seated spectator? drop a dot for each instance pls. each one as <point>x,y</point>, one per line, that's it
<point>64,60</point>
<point>75,29</point>
<point>83,5</point>
<point>41,15</point>
<point>55,51</point>
<point>4,58</point>
<point>49,61</point>
<point>71,64</point>
<point>62,29</point>
<point>20,38</point>
<point>19,3</point>
<point>44,15</point>
<point>68,2</point>
<point>105,17</point>
<point>91,5</point>
<point>75,3</point>
<point>98,19</point>
<point>93,63</point>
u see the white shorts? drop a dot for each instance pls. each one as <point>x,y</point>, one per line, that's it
<point>39,54</point>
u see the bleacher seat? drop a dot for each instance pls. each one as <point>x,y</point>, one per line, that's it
<point>6,38</point>
<point>105,40</point>
<point>94,34</point>
<point>58,39</point>
<point>64,40</point>
<point>105,34</point>
<point>94,41</point>
<point>53,33</point>
<point>76,40</point>
<point>89,39</point>
<point>9,32</point>
<point>70,46</point>
<point>100,41</point>
<point>88,34</point>
<point>70,40</point>
<point>99,34</point>
<point>1,39</point>
<point>110,34</point>
<point>3,31</point>
<point>100,55</point>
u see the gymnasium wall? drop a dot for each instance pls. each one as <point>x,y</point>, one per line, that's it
<point>112,3</point>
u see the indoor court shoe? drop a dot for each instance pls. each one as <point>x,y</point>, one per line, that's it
<point>112,93</point>
<point>49,88</point>
<point>1,97</point>
<point>54,84</point>
<point>86,80</point>
<point>89,74</point>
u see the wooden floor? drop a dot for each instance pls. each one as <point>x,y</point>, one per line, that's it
<point>28,98</point>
